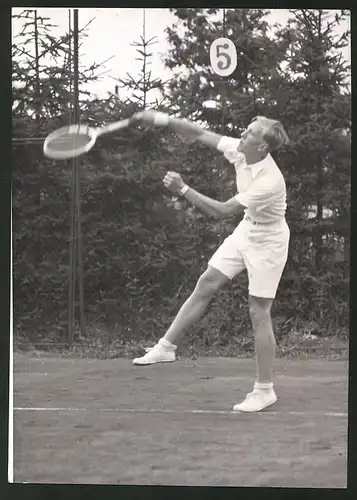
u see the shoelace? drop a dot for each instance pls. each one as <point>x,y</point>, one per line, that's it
<point>253,395</point>
<point>148,349</point>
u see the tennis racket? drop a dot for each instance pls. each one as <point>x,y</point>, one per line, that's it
<point>74,140</point>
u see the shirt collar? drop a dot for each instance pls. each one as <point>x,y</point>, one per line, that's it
<point>256,168</point>
<point>237,158</point>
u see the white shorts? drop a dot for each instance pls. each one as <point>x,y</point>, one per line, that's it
<point>261,249</point>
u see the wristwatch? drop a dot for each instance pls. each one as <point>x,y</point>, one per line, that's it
<point>184,190</point>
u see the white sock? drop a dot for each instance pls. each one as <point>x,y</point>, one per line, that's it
<point>263,386</point>
<point>167,344</point>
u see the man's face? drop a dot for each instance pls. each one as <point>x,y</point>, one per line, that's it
<point>252,139</point>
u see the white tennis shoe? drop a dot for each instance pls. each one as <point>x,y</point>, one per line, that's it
<point>162,352</point>
<point>257,400</point>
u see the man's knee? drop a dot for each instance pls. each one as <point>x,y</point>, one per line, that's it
<point>259,309</point>
<point>210,282</point>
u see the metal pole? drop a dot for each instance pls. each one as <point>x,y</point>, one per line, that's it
<point>37,72</point>
<point>72,237</point>
<point>144,58</point>
<point>76,117</point>
<point>222,89</point>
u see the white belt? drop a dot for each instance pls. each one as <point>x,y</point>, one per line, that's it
<point>247,218</point>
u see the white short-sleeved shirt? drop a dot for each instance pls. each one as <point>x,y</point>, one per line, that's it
<point>261,186</point>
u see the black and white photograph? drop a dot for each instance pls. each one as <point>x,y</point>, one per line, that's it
<point>181,187</point>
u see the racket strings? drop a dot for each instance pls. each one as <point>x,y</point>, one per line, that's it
<point>74,140</point>
<point>69,142</point>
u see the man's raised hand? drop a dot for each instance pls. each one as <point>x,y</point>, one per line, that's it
<point>173,182</point>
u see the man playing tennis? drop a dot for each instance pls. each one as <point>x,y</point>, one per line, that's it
<point>259,243</point>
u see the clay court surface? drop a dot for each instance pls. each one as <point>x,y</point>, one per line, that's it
<point>105,421</point>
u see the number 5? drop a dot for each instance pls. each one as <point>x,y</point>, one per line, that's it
<point>223,56</point>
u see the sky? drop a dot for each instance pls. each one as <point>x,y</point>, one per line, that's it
<point>112,32</point>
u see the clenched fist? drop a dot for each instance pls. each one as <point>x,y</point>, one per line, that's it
<point>173,181</point>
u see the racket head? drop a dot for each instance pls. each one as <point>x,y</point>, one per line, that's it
<point>69,141</point>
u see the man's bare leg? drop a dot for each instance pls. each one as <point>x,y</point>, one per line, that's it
<point>265,344</point>
<point>195,306</point>
<point>263,394</point>
<point>191,311</point>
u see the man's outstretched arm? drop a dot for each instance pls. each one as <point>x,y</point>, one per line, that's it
<point>180,126</point>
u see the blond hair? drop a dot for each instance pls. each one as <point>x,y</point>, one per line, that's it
<point>273,132</point>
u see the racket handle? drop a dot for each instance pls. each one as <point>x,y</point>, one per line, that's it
<point>112,127</point>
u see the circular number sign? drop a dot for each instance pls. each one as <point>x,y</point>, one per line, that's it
<point>223,56</point>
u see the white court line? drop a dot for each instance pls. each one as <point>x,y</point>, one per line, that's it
<point>176,412</point>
